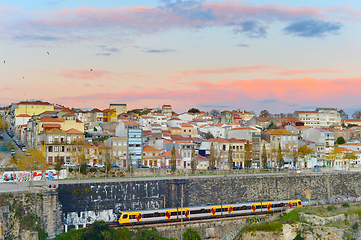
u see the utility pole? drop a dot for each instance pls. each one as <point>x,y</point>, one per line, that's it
<point>181,213</point>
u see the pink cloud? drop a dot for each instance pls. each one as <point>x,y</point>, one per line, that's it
<point>256,68</point>
<point>83,74</point>
<point>294,91</point>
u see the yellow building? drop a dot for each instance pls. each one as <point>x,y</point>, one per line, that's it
<point>32,108</point>
<point>110,115</point>
<point>238,147</point>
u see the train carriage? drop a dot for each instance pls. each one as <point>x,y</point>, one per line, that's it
<point>294,204</point>
<point>175,214</point>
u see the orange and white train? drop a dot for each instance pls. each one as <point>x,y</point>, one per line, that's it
<point>209,211</point>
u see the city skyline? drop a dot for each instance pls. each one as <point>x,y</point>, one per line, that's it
<point>252,55</point>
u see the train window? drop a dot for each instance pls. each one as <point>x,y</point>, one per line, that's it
<point>294,204</point>
<point>208,210</point>
<point>236,209</point>
<point>125,216</point>
<point>299,202</point>
<point>173,214</point>
<point>132,216</point>
<point>199,211</point>
<point>193,211</point>
<point>249,207</point>
<point>161,214</point>
<point>258,207</point>
<point>264,206</point>
<point>244,208</point>
<point>156,214</point>
<point>225,209</point>
<point>218,210</point>
<point>285,204</point>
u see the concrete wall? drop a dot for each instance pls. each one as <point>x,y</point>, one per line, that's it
<point>85,203</point>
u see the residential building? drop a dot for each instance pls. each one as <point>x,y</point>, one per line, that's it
<point>151,156</point>
<point>310,118</point>
<point>118,107</point>
<point>323,138</point>
<point>118,149</point>
<point>203,162</point>
<point>110,115</point>
<point>328,116</point>
<point>167,111</point>
<point>243,133</point>
<point>238,147</point>
<point>188,129</point>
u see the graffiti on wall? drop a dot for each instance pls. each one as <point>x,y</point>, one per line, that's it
<point>24,176</point>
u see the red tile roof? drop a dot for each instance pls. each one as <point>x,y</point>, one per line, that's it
<point>169,154</point>
<point>23,115</point>
<point>219,140</point>
<point>51,119</point>
<point>72,130</point>
<point>201,158</point>
<point>33,103</point>
<point>150,149</point>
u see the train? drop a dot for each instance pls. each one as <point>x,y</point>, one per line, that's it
<point>208,211</point>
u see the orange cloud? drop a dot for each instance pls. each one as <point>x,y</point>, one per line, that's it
<point>252,93</point>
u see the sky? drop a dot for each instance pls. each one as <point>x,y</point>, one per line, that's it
<point>281,56</point>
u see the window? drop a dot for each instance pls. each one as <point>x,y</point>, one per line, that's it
<point>125,216</point>
<point>56,148</point>
<point>62,149</point>
<point>50,149</point>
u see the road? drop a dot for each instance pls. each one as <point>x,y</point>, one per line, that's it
<point>24,186</point>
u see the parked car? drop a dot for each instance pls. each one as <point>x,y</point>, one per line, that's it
<point>99,165</point>
<point>168,167</point>
<point>317,169</point>
<point>154,166</point>
<point>215,168</point>
<point>24,149</point>
<point>298,170</point>
<point>12,152</point>
<point>69,164</point>
<point>88,165</point>
<point>114,166</point>
<point>142,166</point>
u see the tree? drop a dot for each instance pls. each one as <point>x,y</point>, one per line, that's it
<point>349,156</point>
<point>194,162</point>
<point>247,155</point>
<point>191,235</point>
<point>342,113</point>
<point>264,157</point>
<point>230,157</point>
<point>356,114</point>
<point>215,113</point>
<point>334,154</point>
<point>212,157</point>
<point>340,140</point>
<point>57,166</point>
<point>104,155</point>
<point>78,154</point>
<point>264,113</point>
<point>280,161</point>
<point>173,160</point>
<point>3,124</point>
<point>209,135</point>
<point>193,110</point>
<point>273,126</point>
<point>35,160</point>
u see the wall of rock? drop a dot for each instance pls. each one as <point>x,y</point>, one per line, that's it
<point>85,203</point>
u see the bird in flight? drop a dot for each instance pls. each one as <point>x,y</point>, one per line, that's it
<point>48,53</point>
<point>91,69</point>
<point>4,61</point>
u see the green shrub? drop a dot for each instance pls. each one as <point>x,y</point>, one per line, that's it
<point>290,218</point>
<point>331,208</point>
<point>266,227</point>
<point>93,170</point>
<point>191,235</point>
<point>70,170</point>
<point>83,168</point>
<point>298,237</point>
<point>346,205</point>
